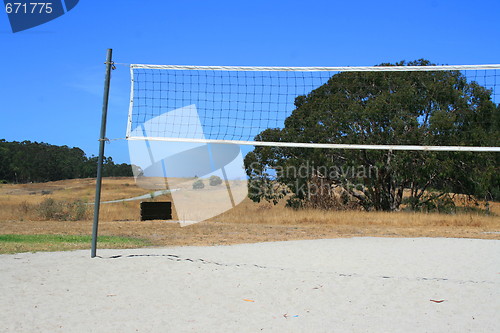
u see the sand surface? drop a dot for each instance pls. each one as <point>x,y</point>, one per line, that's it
<point>331,285</point>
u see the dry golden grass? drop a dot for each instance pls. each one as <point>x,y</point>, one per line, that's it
<point>18,201</point>
<point>248,222</point>
<point>248,212</point>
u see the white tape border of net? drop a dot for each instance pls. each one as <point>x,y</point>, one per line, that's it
<point>321,145</point>
<point>321,69</point>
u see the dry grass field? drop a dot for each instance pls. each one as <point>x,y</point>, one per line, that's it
<point>59,208</point>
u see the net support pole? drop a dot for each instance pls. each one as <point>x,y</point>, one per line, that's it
<point>102,141</point>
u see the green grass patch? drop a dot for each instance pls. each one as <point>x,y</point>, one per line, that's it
<point>35,243</point>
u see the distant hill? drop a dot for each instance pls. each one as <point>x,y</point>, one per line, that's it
<point>26,161</point>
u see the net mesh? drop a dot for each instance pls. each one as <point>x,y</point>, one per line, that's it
<point>237,104</point>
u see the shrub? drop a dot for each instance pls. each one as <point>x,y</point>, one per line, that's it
<point>50,209</point>
<point>214,180</point>
<point>198,185</point>
<point>78,210</point>
<point>25,207</point>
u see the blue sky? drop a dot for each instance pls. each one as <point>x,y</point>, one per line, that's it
<point>52,75</point>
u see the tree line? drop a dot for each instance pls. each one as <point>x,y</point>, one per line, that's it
<point>26,161</point>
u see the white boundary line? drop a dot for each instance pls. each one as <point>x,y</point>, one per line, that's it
<point>320,69</point>
<point>323,145</point>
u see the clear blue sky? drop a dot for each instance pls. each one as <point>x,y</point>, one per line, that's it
<point>52,75</point>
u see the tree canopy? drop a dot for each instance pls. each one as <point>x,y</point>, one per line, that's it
<point>398,108</point>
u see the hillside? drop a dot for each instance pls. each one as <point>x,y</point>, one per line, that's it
<point>24,206</point>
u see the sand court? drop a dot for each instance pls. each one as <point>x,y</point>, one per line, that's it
<point>329,285</point>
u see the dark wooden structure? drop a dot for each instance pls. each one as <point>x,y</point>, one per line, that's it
<point>156,211</point>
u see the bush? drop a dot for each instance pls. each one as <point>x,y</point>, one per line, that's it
<point>24,208</point>
<point>214,180</point>
<point>50,209</point>
<point>198,185</point>
<point>432,203</point>
<point>78,210</point>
